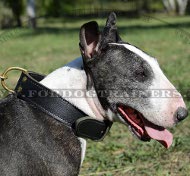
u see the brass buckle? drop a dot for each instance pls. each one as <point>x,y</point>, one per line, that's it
<point>4,76</point>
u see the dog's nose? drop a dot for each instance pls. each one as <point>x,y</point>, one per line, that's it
<point>182,113</point>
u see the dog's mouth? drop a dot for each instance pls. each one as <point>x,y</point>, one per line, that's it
<point>144,129</point>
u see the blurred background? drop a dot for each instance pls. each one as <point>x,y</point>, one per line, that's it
<point>43,35</point>
<point>12,12</point>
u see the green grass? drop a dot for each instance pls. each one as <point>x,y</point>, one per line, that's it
<point>56,42</point>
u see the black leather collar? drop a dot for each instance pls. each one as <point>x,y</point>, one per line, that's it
<point>29,89</point>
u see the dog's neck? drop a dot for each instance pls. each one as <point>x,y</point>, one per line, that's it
<point>71,80</point>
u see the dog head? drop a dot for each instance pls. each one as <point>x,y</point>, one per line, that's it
<point>126,80</point>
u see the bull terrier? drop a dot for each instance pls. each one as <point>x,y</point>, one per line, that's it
<point>123,80</point>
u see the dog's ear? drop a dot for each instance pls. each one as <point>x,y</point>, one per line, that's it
<point>110,32</point>
<point>89,39</point>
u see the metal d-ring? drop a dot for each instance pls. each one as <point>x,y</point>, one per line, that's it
<point>4,76</point>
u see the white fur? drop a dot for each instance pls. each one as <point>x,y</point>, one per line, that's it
<point>111,116</point>
<point>83,149</point>
<point>72,77</point>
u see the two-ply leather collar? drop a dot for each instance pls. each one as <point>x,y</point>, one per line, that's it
<point>29,89</point>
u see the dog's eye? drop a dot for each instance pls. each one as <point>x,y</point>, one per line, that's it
<point>141,74</point>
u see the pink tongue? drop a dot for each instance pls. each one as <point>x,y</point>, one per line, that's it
<point>158,133</point>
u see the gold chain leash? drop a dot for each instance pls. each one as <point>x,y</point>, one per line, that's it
<point>4,76</point>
